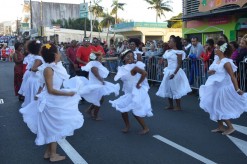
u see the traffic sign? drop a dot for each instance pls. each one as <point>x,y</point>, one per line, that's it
<point>83,10</point>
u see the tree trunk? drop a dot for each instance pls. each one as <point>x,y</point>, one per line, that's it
<point>156,17</point>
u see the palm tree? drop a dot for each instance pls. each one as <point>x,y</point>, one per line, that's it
<point>97,10</point>
<point>106,23</point>
<point>160,6</point>
<point>115,8</point>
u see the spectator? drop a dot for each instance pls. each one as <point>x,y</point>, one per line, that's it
<point>97,47</point>
<point>82,56</point>
<point>134,44</point>
<point>112,63</point>
<point>71,56</point>
<point>120,48</point>
<point>186,46</point>
<point>243,50</point>
<point>223,38</point>
<point>234,46</point>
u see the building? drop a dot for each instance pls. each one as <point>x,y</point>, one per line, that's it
<point>1,28</point>
<point>210,18</point>
<point>146,31</point>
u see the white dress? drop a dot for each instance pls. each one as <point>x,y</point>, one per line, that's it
<point>178,86</point>
<point>29,61</point>
<point>32,84</point>
<point>53,117</point>
<point>218,96</point>
<point>93,89</point>
<point>135,100</point>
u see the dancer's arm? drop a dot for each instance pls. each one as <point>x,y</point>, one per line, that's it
<point>36,64</point>
<point>143,75</point>
<point>229,70</point>
<point>179,61</point>
<point>48,73</point>
<point>95,71</point>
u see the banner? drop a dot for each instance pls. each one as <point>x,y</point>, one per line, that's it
<point>207,5</point>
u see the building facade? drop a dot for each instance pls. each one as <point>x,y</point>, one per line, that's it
<point>210,18</point>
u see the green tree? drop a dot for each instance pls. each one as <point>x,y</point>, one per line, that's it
<point>116,6</point>
<point>106,23</point>
<point>160,6</point>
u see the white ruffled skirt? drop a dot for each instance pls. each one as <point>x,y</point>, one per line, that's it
<point>174,88</point>
<point>52,117</point>
<point>221,100</point>
<point>138,101</point>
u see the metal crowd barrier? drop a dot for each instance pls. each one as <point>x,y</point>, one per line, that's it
<point>195,70</point>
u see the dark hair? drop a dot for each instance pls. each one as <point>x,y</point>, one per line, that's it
<point>172,36</point>
<point>122,56</point>
<point>235,44</point>
<point>48,52</point>
<point>178,42</point>
<point>194,37</point>
<point>228,51</point>
<point>17,45</point>
<point>210,42</point>
<point>224,36</point>
<point>135,40</point>
<point>34,47</point>
<point>187,40</point>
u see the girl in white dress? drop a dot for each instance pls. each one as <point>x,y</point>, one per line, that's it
<point>135,87</point>
<point>221,96</point>
<point>94,90</point>
<point>55,114</point>
<point>175,84</point>
<point>32,84</point>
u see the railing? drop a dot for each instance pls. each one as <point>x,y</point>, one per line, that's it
<point>195,70</point>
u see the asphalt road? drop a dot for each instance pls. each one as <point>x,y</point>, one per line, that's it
<point>175,136</point>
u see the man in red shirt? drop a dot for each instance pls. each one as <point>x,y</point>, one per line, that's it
<point>71,56</point>
<point>82,56</point>
<point>97,47</point>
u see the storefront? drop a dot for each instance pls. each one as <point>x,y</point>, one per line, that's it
<point>210,24</point>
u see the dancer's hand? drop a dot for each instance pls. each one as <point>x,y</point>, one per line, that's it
<point>240,92</point>
<point>211,72</point>
<point>172,76</point>
<point>35,97</point>
<point>138,86</point>
<point>71,93</point>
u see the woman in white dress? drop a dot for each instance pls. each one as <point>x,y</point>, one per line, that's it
<point>32,84</point>
<point>96,87</point>
<point>175,84</point>
<point>221,96</point>
<point>55,114</point>
<point>135,87</point>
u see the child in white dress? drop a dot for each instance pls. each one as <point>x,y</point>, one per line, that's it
<point>55,114</point>
<point>175,84</point>
<point>135,87</point>
<point>96,87</point>
<point>32,84</point>
<point>221,96</point>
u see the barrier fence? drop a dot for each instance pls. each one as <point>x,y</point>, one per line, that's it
<point>196,70</point>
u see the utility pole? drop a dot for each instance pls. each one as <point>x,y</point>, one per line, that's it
<point>31,15</point>
<point>85,23</point>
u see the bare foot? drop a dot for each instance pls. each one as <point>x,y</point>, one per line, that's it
<point>56,158</point>
<point>177,109</point>
<point>169,107</point>
<point>144,131</point>
<point>228,131</point>
<point>218,130</point>
<point>125,130</point>
<point>46,155</point>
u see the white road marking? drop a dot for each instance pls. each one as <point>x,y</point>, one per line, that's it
<point>185,150</point>
<point>1,101</point>
<point>71,152</point>
<point>240,128</point>
<point>241,144</point>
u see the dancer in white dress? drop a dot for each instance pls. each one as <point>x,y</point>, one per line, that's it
<point>32,84</point>
<point>96,87</point>
<point>135,87</point>
<point>221,96</point>
<point>55,114</point>
<point>175,84</point>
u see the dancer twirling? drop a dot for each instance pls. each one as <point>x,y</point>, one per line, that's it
<point>175,83</point>
<point>221,96</point>
<point>55,114</point>
<point>135,87</point>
